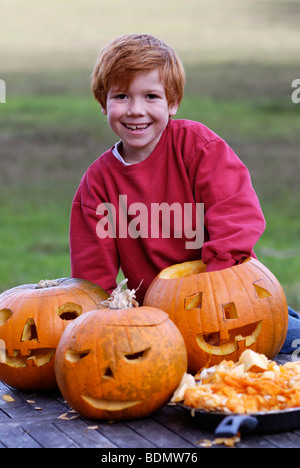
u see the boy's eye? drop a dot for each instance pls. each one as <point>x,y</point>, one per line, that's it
<point>121,97</point>
<point>152,96</point>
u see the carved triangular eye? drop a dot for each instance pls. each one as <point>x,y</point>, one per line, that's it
<point>194,301</point>
<point>29,331</point>
<point>261,290</point>
<point>5,315</point>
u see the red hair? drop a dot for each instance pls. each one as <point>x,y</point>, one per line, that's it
<point>124,57</point>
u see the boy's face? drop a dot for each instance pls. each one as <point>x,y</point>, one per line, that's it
<point>139,114</point>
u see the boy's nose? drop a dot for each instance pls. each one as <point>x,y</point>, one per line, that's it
<point>135,108</point>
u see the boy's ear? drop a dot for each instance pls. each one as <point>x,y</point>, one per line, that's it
<point>173,109</point>
<point>103,111</point>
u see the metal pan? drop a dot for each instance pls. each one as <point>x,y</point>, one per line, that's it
<point>228,425</point>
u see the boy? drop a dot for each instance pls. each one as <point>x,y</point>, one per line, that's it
<point>139,204</point>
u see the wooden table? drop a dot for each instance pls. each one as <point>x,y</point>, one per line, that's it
<point>44,420</point>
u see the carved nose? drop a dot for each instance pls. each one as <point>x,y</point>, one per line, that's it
<point>108,374</point>
<point>29,331</point>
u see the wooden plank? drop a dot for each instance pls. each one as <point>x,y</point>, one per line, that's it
<point>122,435</point>
<point>47,403</point>
<point>18,409</point>
<point>79,432</point>
<point>158,434</point>
<point>283,439</point>
<point>255,441</point>
<point>3,416</point>
<point>3,387</point>
<point>17,438</point>
<point>184,425</point>
<point>49,436</point>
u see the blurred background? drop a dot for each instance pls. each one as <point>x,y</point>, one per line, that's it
<point>240,59</point>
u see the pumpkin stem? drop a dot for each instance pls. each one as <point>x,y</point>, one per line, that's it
<point>46,284</point>
<point>121,298</point>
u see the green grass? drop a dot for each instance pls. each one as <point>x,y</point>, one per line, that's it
<point>34,244</point>
<point>263,120</point>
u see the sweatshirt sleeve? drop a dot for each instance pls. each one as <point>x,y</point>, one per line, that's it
<point>233,217</point>
<point>92,258</point>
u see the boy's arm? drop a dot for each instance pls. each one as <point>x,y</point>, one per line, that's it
<point>233,216</point>
<point>92,258</point>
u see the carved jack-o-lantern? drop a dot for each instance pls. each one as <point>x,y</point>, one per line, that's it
<point>120,363</point>
<point>222,313</point>
<point>32,319</point>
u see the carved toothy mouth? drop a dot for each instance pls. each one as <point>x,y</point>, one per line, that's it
<point>109,405</point>
<point>248,334</point>
<point>35,357</point>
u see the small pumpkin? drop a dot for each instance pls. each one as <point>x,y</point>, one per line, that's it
<point>222,313</point>
<point>32,319</point>
<point>121,362</point>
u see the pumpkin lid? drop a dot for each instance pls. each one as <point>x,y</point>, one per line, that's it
<point>136,317</point>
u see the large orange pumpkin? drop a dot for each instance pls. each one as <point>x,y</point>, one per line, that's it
<point>32,319</point>
<point>222,313</point>
<point>120,363</point>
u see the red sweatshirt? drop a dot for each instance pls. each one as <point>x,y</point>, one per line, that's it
<point>147,216</point>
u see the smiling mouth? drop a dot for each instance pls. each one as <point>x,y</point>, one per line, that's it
<point>137,127</point>
<point>36,358</point>
<point>109,405</point>
<point>212,344</point>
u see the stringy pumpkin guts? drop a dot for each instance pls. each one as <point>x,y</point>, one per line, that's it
<point>121,298</point>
